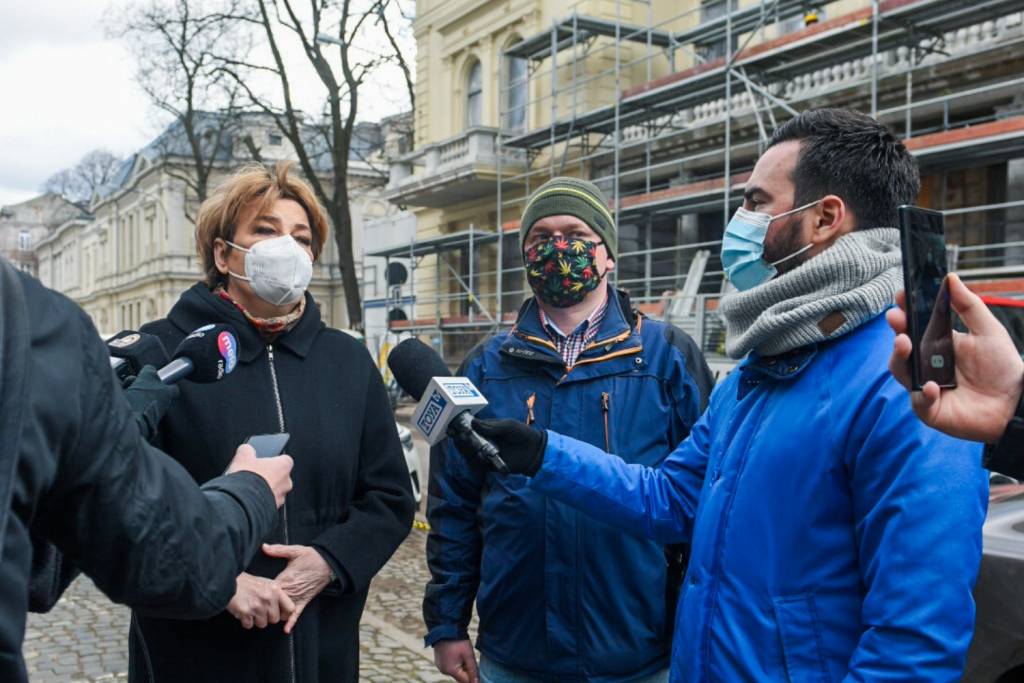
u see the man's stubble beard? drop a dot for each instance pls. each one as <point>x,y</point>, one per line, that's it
<point>789,240</point>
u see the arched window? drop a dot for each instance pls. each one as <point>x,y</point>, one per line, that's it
<point>515,94</point>
<point>475,96</point>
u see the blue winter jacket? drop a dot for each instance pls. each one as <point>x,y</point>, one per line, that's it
<point>834,536</point>
<point>560,594</point>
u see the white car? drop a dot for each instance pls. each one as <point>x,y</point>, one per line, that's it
<point>412,460</point>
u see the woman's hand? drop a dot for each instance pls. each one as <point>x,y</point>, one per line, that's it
<point>306,575</point>
<point>259,602</point>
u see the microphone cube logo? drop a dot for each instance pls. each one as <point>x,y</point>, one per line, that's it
<point>428,420</point>
<point>124,342</point>
<point>461,390</point>
<point>228,346</point>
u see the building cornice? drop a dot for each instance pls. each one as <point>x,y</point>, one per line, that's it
<point>445,15</point>
<point>50,239</point>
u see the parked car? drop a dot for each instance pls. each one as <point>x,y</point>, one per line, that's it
<point>412,460</point>
<point>997,651</point>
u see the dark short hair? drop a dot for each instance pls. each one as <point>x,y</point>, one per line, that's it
<point>851,155</point>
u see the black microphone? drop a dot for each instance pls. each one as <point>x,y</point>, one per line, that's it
<point>446,404</point>
<point>204,356</point>
<point>130,351</point>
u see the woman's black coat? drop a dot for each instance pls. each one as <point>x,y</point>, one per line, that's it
<point>352,498</point>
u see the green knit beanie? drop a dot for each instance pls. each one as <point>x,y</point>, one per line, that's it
<point>572,197</point>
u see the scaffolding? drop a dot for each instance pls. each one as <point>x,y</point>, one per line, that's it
<point>695,98</point>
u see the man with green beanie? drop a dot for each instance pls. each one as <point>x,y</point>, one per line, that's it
<point>560,596</point>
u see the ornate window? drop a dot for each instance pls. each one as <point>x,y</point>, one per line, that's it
<point>515,94</point>
<point>475,96</point>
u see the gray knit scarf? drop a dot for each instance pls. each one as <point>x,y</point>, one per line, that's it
<point>847,284</point>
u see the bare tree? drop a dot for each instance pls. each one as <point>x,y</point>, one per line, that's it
<point>78,183</point>
<point>177,45</point>
<point>365,33</point>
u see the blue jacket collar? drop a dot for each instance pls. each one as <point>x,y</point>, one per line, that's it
<point>529,340</point>
<point>783,367</point>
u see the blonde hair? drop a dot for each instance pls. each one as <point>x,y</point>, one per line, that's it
<point>252,185</point>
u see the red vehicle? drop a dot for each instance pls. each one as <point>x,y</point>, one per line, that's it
<point>1011,314</point>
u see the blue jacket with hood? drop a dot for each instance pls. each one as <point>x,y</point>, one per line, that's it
<point>559,594</point>
<point>834,536</point>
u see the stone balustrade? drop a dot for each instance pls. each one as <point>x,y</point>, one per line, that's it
<point>841,76</point>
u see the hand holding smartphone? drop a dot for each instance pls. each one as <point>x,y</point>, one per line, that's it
<point>929,316</point>
<point>268,445</point>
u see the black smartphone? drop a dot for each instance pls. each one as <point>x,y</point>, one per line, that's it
<point>929,316</point>
<point>268,445</point>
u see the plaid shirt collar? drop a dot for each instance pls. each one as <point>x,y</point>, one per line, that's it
<point>571,346</point>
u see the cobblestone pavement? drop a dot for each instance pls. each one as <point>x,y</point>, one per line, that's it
<point>84,638</point>
<point>396,594</point>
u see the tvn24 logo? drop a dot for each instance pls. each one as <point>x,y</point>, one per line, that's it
<point>431,413</point>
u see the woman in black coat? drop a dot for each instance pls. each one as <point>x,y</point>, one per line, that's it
<point>295,615</point>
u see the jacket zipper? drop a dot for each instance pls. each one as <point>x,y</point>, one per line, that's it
<point>284,507</point>
<point>530,419</point>
<point>605,408</point>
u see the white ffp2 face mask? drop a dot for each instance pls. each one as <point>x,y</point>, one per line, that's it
<point>278,270</point>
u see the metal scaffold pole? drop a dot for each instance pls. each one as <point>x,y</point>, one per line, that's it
<point>554,92</point>
<point>499,151</point>
<point>874,58</point>
<point>727,185</point>
<point>618,105</point>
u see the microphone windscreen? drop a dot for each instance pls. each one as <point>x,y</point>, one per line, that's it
<point>414,364</point>
<point>137,350</point>
<point>213,350</point>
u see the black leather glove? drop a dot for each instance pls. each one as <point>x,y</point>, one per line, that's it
<point>522,447</point>
<point>149,399</point>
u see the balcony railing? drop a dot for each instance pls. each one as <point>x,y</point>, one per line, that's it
<point>966,41</point>
<point>468,161</point>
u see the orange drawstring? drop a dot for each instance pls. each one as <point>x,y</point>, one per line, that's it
<point>606,406</point>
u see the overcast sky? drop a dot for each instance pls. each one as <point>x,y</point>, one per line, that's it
<point>65,89</point>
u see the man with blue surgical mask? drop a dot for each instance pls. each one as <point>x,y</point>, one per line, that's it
<point>743,247</point>
<point>834,536</point>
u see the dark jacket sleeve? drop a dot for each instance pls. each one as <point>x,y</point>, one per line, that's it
<point>125,513</point>
<point>454,544</point>
<point>1007,456</point>
<point>689,380</point>
<point>382,508</point>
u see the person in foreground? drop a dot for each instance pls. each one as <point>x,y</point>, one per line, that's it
<point>834,536</point>
<point>579,360</point>
<point>987,404</point>
<point>75,471</point>
<point>295,616</point>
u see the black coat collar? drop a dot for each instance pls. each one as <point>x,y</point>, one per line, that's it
<point>199,306</point>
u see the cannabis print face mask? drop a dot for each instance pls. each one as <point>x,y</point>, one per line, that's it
<point>562,271</point>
